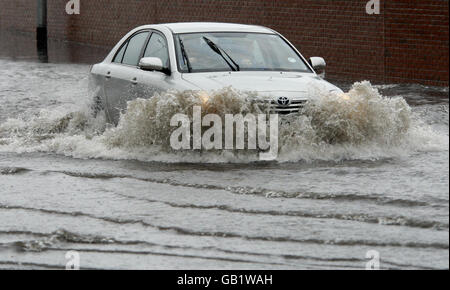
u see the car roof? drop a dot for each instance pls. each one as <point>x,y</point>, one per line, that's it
<point>192,27</point>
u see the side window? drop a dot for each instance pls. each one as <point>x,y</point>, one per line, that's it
<point>157,47</point>
<point>134,48</point>
<point>119,55</point>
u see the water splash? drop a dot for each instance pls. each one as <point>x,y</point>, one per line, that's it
<point>361,124</point>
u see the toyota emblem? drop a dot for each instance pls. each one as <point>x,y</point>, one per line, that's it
<point>284,101</point>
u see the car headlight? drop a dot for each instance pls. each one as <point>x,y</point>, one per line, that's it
<point>344,96</point>
<point>204,97</point>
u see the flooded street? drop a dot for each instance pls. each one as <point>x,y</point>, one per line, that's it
<point>64,186</point>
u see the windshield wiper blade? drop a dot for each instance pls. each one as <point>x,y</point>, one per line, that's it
<point>183,52</point>
<point>219,51</point>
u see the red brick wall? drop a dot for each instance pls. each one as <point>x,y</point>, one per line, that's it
<point>407,42</point>
<point>18,15</point>
<point>416,41</point>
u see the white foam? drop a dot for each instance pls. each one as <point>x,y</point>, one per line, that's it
<point>362,124</point>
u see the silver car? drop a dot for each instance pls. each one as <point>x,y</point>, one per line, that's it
<point>206,56</point>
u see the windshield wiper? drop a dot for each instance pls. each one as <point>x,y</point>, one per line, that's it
<point>219,51</point>
<point>185,57</point>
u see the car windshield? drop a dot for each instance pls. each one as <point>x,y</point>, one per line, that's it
<point>210,52</point>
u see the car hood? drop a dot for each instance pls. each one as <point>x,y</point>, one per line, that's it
<point>302,85</point>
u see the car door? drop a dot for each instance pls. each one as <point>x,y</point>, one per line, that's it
<point>122,75</point>
<point>151,82</point>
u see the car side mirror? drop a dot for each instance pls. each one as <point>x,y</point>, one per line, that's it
<point>318,64</point>
<point>153,64</point>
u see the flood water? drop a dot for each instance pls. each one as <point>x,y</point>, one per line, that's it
<point>318,207</point>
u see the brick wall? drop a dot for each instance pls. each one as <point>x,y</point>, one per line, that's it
<point>416,41</point>
<point>407,42</point>
<point>19,15</point>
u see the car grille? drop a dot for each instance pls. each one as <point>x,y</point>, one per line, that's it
<point>294,107</point>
